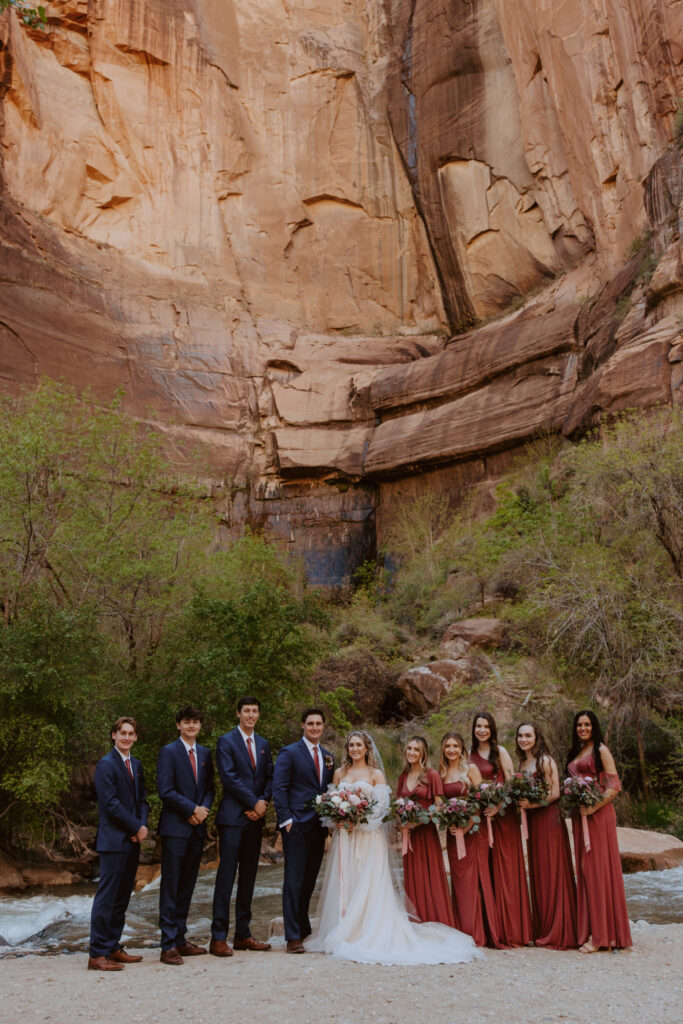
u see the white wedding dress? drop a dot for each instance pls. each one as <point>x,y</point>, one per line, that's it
<point>360,915</point>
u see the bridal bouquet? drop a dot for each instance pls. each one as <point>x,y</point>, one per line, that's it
<point>527,787</point>
<point>343,807</point>
<point>490,794</point>
<point>409,813</point>
<point>581,791</point>
<point>456,812</point>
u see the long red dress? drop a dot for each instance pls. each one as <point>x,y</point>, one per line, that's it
<point>507,869</point>
<point>602,913</point>
<point>424,875</point>
<point>551,878</point>
<point>474,905</point>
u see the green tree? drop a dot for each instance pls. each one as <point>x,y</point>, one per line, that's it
<point>32,17</point>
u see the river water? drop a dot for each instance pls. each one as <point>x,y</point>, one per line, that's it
<point>55,922</point>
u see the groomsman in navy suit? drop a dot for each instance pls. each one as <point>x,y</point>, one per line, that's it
<point>245,765</point>
<point>123,810</point>
<point>185,785</point>
<point>302,771</point>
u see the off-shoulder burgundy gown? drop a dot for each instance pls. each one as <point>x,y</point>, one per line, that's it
<point>474,905</point>
<point>507,869</point>
<point>424,874</point>
<point>551,878</point>
<point>602,913</point>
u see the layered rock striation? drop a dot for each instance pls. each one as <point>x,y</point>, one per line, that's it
<point>352,249</point>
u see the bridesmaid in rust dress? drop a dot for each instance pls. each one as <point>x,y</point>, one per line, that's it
<point>551,877</point>
<point>424,874</point>
<point>507,856</point>
<point>602,915</point>
<point>474,905</point>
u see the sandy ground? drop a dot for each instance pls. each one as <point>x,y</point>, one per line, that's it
<point>511,987</point>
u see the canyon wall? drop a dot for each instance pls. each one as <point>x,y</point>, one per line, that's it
<point>351,249</point>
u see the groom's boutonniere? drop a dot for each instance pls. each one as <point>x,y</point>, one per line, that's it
<point>329,761</point>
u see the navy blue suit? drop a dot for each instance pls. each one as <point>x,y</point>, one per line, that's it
<point>239,838</point>
<point>123,810</point>
<point>295,785</point>
<point>181,843</point>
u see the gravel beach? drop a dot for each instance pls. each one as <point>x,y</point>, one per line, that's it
<point>511,987</point>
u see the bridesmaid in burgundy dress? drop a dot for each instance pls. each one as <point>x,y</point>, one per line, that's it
<point>551,877</point>
<point>602,915</point>
<point>507,856</point>
<point>424,874</point>
<point>474,905</point>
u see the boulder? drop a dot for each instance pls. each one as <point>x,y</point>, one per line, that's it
<point>648,851</point>
<point>475,632</point>
<point>146,873</point>
<point>10,876</point>
<point>423,687</point>
<point>46,876</point>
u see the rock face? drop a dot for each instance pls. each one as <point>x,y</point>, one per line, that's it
<point>648,851</point>
<point>278,226</point>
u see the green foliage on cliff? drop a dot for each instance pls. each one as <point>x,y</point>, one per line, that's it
<point>32,17</point>
<point>582,554</point>
<point>114,599</point>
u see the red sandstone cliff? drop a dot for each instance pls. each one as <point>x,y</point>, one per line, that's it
<point>273,221</point>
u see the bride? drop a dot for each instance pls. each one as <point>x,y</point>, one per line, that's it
<point>360,914</point>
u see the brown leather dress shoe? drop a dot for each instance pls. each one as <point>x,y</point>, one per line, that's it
<point>295,946</point>
<point>250,943</point>
<point>191,949</point>
<point>219,947</point>
<point>171,957</point>
<point>119,956</point>
<point>101,963</point>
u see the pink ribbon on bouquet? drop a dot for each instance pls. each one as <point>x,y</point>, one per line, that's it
<point>407,845</point>
<point>525,825</point>
<point>490,831</point>
<point>586,834</point>
<point>460,843</point>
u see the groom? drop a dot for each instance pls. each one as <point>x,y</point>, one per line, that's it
<point>302,771</point>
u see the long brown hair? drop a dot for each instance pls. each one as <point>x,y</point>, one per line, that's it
<point>424,758</point>
<point>539,749</point>
<point>444,764</point>
<point>494,752</point>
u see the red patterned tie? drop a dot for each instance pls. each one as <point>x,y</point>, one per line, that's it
<point>130,770</point>
<point>193,762</point>
<point>251,753</point>
<point>316,761</point>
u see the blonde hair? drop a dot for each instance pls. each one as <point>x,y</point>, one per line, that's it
<point>424,757</point>
<point>444,765</point>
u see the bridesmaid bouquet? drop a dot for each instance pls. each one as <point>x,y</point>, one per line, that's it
<point>409,814</point>
<point>490,794</point>
<point>527,787</point>
<point>581,791</point>
<point>343,807</point>
<point>456,812</point>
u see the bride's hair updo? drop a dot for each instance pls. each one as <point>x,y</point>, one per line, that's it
<point>424,757</point>
<point>370,759</point>
<point>444,763</point>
